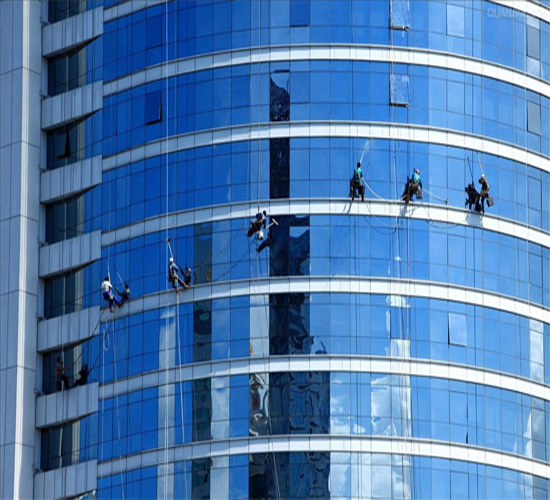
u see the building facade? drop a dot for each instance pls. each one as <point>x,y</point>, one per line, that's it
<point>365,349</point>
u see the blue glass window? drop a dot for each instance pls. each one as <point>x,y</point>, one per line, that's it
<point>455,20</point>
<point>153,108</point>
<point>299,13</point>
<point>399,90</point>
<point>399,14</point>
<point>533,117</point>
<point>533,42</point>
<point>458,334</point>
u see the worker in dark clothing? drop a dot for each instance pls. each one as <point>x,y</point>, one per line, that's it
<point>187,277</point>
<point>174,277</point>
<point>84,374</point>
<point>108,294</point>
<point>484,194</point>
<point>257,223</point>
<point>473,196</point>
<point>124,294</point>
<point>62,381</point>
<point>266,243</point>
<point>355,183</point>
<point>413,187</point>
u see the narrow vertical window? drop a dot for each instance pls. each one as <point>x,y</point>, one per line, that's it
<point>399,15</point>
<point>536,350</point>
<point>533,42</point>
<point>455,20</point>
<point>399,90</point>
<point>299,13</point>
<point>153,108</point>
<point>279,96</point>
<point>458,334</point>
<point>533,117</point>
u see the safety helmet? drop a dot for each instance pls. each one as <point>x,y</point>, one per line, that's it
<point>483,176</point>
<point>171,260</point>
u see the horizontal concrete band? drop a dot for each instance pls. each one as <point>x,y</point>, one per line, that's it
<point>531,7</point>
<point>329,129</point>
<point>329,52</point>
<point>72,481</point>
<point>333,206</point>
<point>327,363</point>
<point>64,406</point>
<point>81,325</point>
<point>334,444</point>
<point>336,284</point>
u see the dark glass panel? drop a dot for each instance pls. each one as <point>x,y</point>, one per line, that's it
<point>202,331</point>
<point>299,12</point>
<point>202,409</point>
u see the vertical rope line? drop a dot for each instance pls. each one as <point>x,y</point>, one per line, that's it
<point>259,90</point>
<point>404,318</point>
<point>259,65</point>
<point>528,228</point>
<point>115,386</point>
<point>167,208</point>
<point>482,79</point>
<point>265,363</point>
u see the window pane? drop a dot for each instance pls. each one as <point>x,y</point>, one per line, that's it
<point>536,350</point>
<point>299,12</point>
<point>533,42</point>
<point>399,14</point>
<point>455,20</point>
<point>533,117</point>
<point>399,90</point>
<point>153,108</point>
<point>457,329</point>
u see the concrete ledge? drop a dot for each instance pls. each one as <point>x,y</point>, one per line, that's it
<point>66,482</point>
<point>63,406</point>
<point>70,106</point>
<point>68,329</point>
<point>70,180</point>
<point>69,254</point>
<point>126,8</point>
<point>390,445</point>
<point>71,32</point>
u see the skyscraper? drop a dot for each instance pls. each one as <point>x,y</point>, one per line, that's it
<point>353,349</point>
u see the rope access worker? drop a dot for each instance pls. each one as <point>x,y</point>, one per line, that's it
<point>124,294</point>
<point>473,196</point>
<point>267,242</point>
<point>187,276</point>
<point>84,374</point>
<point>484,194</point>
<point>108,294</point>
<point>356,184</point>
<point>413,187</point>
<point>62,381</point>
<point>174,277</point>
<point>257,223</point>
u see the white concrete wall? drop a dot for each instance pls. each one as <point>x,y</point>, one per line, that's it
<point>69,33</point>
<point>62,406</point>
<point>67,482</point>
<point>70,254</point>
<point>69,180</point>
<point>20,85</point>
<point>70,106</point>
<point>68,329</point>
